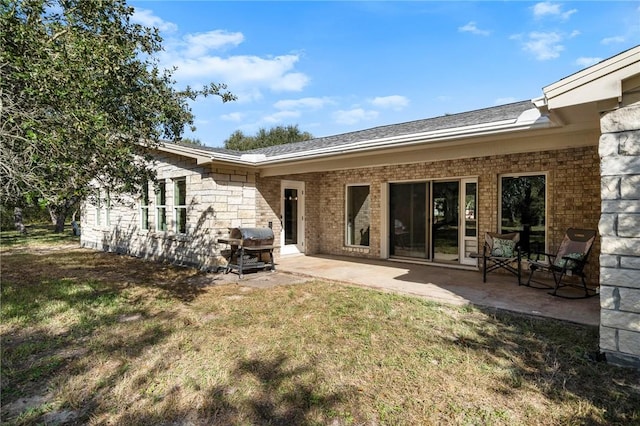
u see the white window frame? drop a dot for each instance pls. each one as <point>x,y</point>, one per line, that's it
<point>546,200</point>
<point>179,208</point>
<point>98,208</point>
<point>161,206</point>
<point>144,207</point>
<point>349,228</point>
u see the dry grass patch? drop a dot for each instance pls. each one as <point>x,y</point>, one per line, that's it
<point>95,338</point>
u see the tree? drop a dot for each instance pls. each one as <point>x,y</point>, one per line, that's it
<point>276,136</point>
<point>82,101</point>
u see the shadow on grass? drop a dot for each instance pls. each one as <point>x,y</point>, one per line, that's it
<point>560,360</point>
<point>109,269</point>
<point>280,396</point>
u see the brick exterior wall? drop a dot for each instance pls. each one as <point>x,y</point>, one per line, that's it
<point>620,230</point>
<point>573,190</point>
<point>217,199</point>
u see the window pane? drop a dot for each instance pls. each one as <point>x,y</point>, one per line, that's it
<point>446,211</point>
<point>408,219</point>
<point>144,206</point>
<point>290,216</point>
<point>470,212</point>
<point>161,194</point>
<point>181,192</point>
<point>161,212</point>
<point>523,210</point>
<point>181,220</point>
<point>358,216</point>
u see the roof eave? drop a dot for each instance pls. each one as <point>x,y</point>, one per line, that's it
<point>432,137</point>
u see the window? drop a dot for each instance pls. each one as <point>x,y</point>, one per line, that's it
<point>180,205</point>
<point>523,209</point>
<point>161,207</point>
<point>144,207</point>
<point>98,208</point>
<point>103,208</point>
<point>107,202</point>
<point>358,215</point>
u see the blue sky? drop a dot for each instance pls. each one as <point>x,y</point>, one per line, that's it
<point>338,66</point>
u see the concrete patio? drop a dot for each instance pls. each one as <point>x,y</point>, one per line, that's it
<point>446,285</point>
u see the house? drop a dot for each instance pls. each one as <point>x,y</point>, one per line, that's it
<point>421,191</point>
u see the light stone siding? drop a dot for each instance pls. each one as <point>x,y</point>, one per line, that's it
<point>573,188</point>
<point>620,229</point>
<point>217,199</point>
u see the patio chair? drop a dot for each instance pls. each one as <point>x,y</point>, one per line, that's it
<point>569,260</point>
<point>501,251</point>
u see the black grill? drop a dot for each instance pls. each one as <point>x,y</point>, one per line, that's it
<point>251,248</point>
<point>252,237</point>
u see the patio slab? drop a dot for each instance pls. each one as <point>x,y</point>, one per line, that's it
<point>441,284</point>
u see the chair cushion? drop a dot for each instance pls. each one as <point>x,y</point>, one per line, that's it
<point>563,262</point>
<point>503,247</point>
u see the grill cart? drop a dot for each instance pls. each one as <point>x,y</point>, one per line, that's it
<point>250,247</point>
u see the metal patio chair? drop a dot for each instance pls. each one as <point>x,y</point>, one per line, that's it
<point>569,260</point>
<point>501,251</point>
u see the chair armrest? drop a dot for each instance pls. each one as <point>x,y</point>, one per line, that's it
<point>538,254</point>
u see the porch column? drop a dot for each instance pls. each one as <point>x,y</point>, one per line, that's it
<point>620,236</point>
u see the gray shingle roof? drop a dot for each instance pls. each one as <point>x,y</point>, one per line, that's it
<point>449,121</point>
<point>486,115</point>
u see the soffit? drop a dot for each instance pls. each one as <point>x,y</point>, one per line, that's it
<point>572,136</point>
<point>600,82</point>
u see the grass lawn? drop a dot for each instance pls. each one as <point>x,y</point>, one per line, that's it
<point>98,338</point>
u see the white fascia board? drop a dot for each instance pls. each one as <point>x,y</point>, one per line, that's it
<point>530,119</point>
<point>598,82</point>
<point>202,156</point>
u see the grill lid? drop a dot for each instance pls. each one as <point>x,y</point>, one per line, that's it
<point>257,236</point>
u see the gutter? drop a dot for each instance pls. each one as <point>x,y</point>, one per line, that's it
<point>533,118</point>
<point>530,119</point>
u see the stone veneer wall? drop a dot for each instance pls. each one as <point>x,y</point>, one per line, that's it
<point>573,188</point>
<point>620,230</point>
<point>217,199</point>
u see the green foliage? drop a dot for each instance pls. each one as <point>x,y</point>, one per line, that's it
<point>276,136</point>
<point>83,99</point>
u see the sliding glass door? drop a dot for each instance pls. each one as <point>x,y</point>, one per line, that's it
<point>408,219</point>
<point>433,220</point>
<point>446,221</point>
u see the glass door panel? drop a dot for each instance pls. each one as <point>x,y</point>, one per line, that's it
<point>408,219</point>
<point>290,216</point>
<point>470,231</point>
<point>446,222</point>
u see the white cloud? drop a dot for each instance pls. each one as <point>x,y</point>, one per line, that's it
<point>473,29</point>
<point>395,102</point>
<point>201,43</point>
<point>146,18</point>
<point>587,62</point>
<point>304,103</point>
<point>612,40</point>
<point>544,46</point>
<point>233,116</point>
<point>280,117</point>
<point>290,82</point>
<point>245,76</point>
<point>354,116</point>
<point>543,9</point>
